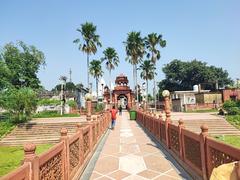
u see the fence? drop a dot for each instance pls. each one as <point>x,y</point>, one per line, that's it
<point>197,153</point>
<point>67,159</point>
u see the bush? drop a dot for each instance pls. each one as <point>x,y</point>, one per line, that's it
<point>20,103</point>
<point>99,107</point>
<point>49,102</point>
<point>232,107</point>
<point>72,103</point>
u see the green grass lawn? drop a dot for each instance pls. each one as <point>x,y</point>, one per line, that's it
<point>11,157</point>
<point>234,120</point>
<point>49,114</point>
<point>5,127</point>
<point>228,139</point>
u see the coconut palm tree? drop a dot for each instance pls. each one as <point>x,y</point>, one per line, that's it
<point>134,46</point>
<point>89,43</point>
<point>151,42</point>
<point>112,60</point>
<point>96,71</point>
<point>147,73</point>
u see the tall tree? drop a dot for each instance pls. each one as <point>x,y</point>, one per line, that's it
<point>135,50</point>
<point>21,63</point>
<point>147,73</point>
<point>96,71</point>
<point>112,60</point>
<point>184,75</point>
<point>5,76</point>
<point>152,42</point>
<point>89,43</point>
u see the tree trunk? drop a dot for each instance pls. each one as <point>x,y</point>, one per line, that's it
<point>110,90</point>
<point>147,93</point>
<point>88,85</point>
<point>136,85</point>
<point>154,93</point>
<point>97,88</point>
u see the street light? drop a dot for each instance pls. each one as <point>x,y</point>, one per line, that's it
<point>63,80</point>
<point>165,93</point>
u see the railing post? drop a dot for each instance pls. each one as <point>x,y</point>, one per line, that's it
<point>203,135</point>
<point>166,95</point>
<point>89,109</point>
<point>31,157</point>
<point>180,127</point>
<point>64,138</point>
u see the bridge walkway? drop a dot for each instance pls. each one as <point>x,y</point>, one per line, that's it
<point>129,153</point>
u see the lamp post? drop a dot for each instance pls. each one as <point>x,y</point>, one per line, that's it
<point>166,95</point>
<point>88,98</point>
<point>63,80</point>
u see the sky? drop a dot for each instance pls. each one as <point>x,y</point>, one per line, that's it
<point>203,30</point>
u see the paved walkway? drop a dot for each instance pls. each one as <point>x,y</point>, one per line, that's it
<point>129,153</point>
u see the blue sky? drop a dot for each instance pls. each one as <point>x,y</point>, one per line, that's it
<point>205,30</point>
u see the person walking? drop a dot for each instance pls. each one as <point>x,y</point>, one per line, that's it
<point>120,110</point>
<point>113,116</point>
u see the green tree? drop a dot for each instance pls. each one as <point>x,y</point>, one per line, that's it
<point>22,64</point>
<point>89,43</point>
<point>5,76</point>
<point>152,42</point>
<point>70,86</point>
<point>19,102</point>
<point>184,75</point>
<point>147,73</point>
<point>135,50</point>
<point>112,60</point>
<point>96,71</point>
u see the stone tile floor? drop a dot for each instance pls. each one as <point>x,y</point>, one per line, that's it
<point>130,154</point>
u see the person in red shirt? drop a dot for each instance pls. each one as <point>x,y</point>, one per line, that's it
<point>113,116</point>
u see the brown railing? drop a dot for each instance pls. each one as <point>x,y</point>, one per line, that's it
<point>65,160</point>
<point>197,153</point>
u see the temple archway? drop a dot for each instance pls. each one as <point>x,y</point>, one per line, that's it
<point>122,100</point>
<point>121,92</point>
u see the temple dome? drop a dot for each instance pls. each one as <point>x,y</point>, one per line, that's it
<point>121,80</point>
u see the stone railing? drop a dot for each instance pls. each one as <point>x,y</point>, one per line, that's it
<point>66,159</point>
<point>197,153</point>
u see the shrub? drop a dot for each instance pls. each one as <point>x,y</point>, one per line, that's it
<point>20,103</point>
<point>99,107</point>
<point>49,102</point>
<point>232,107</point>
<point>72,103</point>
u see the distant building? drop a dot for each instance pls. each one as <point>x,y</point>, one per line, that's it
<point>231,94</point>
<point>209,98</point>
<point>80,95</point>
<point>181,100</point>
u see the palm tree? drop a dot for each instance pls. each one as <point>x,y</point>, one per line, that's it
<point>89,43</point>
<point>112,60</point>
<point>135,51</point>
<point>151,42</point>
<point>147,73</point>
<point>96,71</point>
